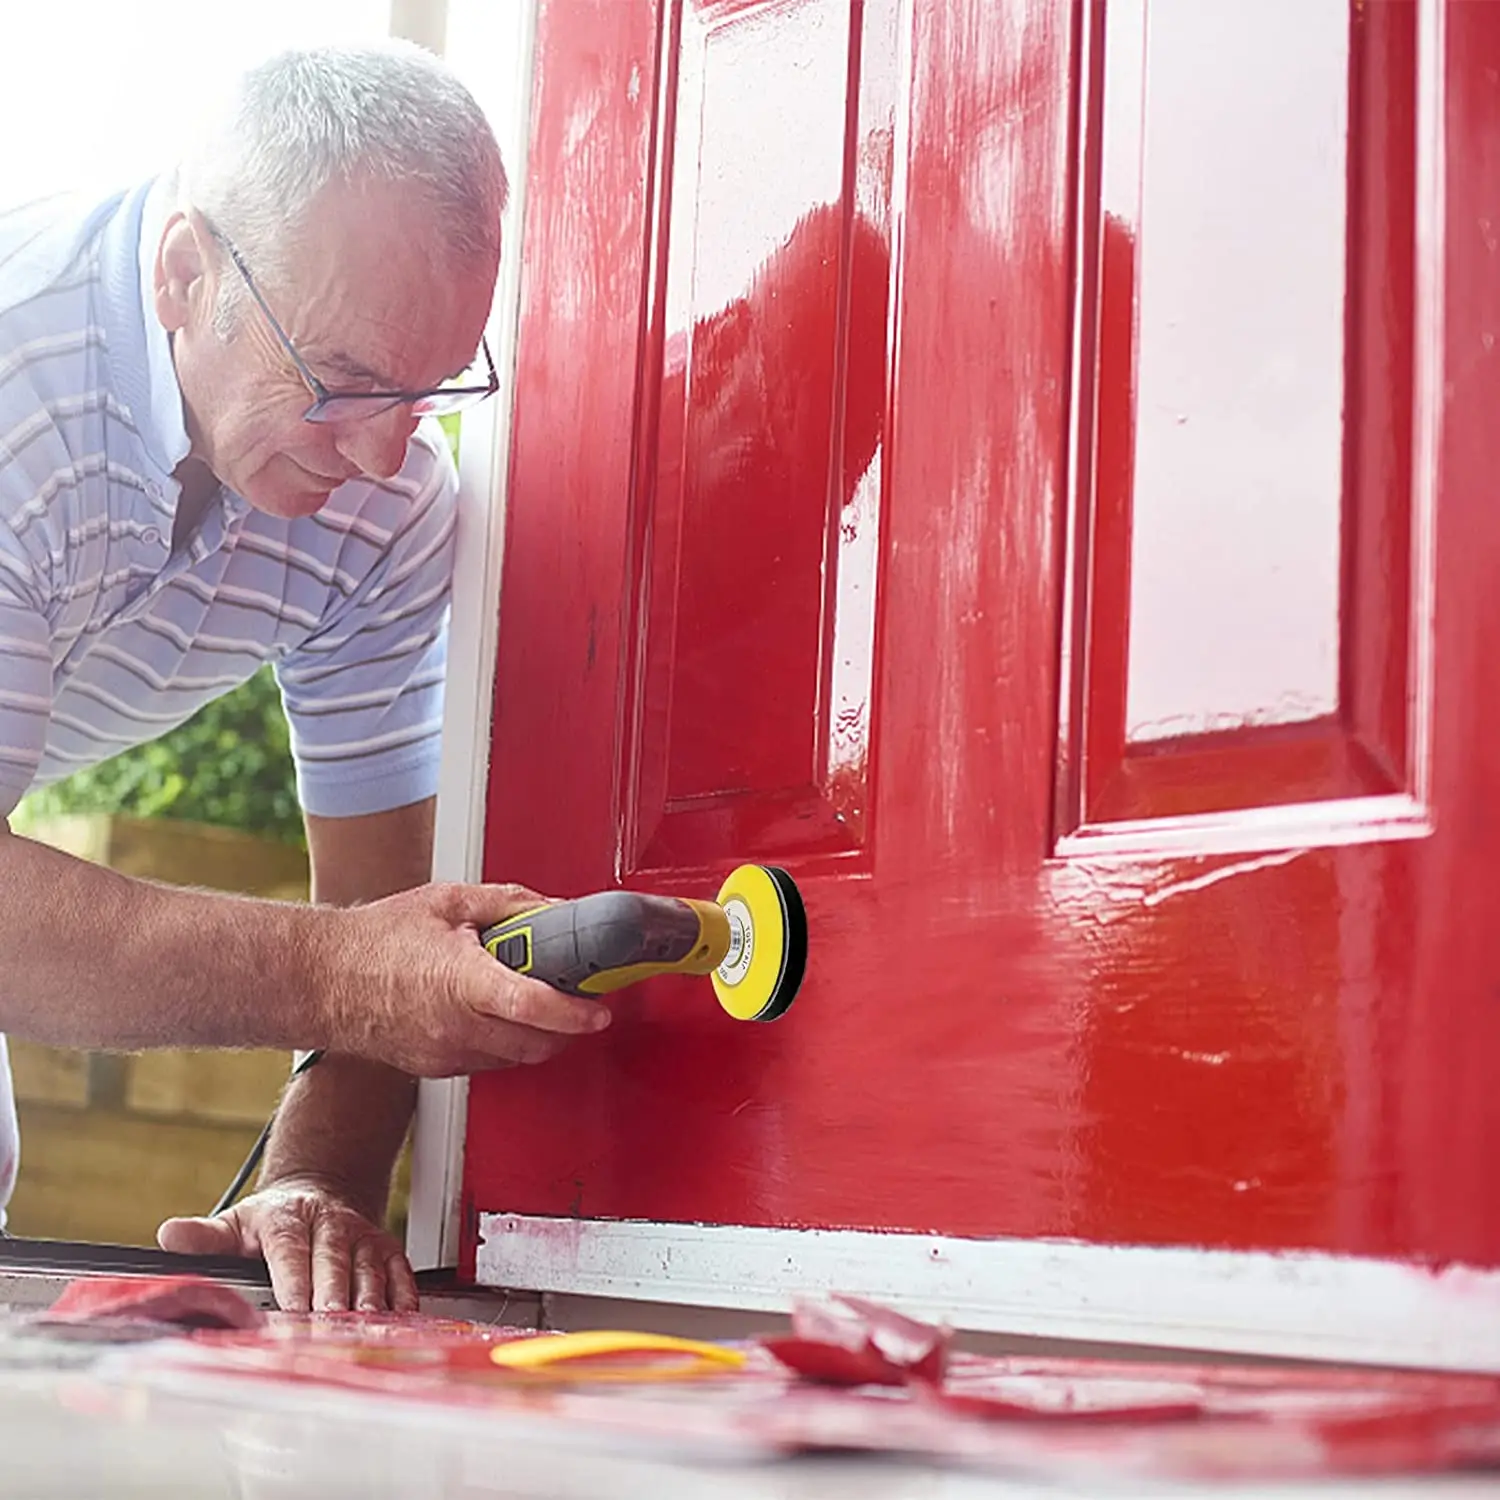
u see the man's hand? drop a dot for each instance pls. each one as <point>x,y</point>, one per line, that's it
<point>404,981</point>
<point>322,1252</point>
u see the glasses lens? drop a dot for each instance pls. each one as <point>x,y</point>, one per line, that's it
<point>349,408</point>
<point>440,403</point>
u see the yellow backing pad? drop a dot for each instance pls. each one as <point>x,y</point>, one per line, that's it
<point>754,991</point>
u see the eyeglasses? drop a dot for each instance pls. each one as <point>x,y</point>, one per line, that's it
<point>344,406</point>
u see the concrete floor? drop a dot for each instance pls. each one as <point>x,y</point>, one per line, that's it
<point>57,1441</point>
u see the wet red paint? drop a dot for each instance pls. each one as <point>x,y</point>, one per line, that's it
<point>992,1040</point>
<point>850,1341</point>
<point>1045,1417</point>
<point>154,1301</point>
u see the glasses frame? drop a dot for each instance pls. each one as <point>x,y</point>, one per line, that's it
<point>323,397</point>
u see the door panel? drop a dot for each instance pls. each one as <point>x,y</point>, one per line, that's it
<point>758,503</point>
<point>1246,524</point>
<point>1235,399</point>
<point>829,529</point>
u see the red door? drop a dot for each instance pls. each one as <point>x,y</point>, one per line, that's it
<point>1029,469</point>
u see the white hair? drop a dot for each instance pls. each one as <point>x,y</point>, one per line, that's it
<point>387,111</point>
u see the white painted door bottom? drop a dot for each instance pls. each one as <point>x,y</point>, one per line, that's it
<point>1301,1306</point>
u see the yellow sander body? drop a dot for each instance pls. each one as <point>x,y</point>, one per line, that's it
<point>751,940</point>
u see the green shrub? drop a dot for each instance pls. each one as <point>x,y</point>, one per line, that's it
<point>230,764</point>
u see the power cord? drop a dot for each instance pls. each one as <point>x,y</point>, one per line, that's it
<point>258,1150</point>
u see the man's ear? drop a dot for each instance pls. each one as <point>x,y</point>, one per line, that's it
<point>179,276</point>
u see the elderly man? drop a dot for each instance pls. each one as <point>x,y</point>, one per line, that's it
<point>211,457</point>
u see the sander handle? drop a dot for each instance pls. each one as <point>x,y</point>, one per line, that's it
<point>610,939</point>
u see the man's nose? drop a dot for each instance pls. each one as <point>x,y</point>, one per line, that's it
<point>377,445</point>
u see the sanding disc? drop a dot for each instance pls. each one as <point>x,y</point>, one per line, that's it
<point>768,943</point>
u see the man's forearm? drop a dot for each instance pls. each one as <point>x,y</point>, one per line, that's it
<point>92,958</point>
<point>343,1124</point>
<point>345,1120</point>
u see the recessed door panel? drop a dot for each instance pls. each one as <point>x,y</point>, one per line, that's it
<point>1249,528</point>
<point>1241,255</point>
<point>757,507</point>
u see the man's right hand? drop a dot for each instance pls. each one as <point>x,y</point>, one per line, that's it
<point>405,981</point>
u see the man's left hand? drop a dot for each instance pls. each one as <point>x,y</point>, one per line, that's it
<point>323,1253</point>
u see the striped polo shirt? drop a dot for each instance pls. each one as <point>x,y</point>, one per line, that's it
<point>107,637</point>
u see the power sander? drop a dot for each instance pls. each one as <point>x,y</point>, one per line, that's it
<point>751,939</point>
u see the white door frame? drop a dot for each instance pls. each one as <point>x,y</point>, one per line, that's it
<point>476,31</point>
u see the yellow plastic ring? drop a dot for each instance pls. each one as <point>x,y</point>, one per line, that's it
<point>748,997</point>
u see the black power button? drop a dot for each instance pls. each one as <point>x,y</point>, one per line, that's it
<point>515,951</point>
